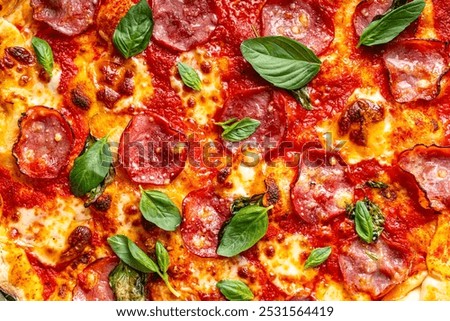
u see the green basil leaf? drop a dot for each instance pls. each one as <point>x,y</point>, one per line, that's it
<point>375,184</point>
<point>157,208</point>
<point>163,257</point>
<point>363,222</point>
<point>245,228</point>
<point>239,130</point>
<point>235,290</point>
<point>119,244</point>
<point>90,169</point>
<point>189,76</point>
<point>127,284</point>
<point>391,24</point>
<point>281,61</point>
<point>142,258</point>
<point>242,202</point>
<point>44,54</point>
<point>377,216</point>
<point>317,257</point>
<point>302,96</point>
<point>133,33</point>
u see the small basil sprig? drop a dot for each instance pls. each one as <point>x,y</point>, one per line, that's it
<point>235,290</point>
<point>281,61</point>
<point>132,255</point>
<point>44,54</point>
<point>391,24</point>
<point>237,130</point>
<point>157,208</point>
<point>133,33</point>
<point>242,202</point>
<point>127,283</point>
<point>244,230</point>
<point>91,168</point>
<point>317,257</point>
<point>189,76</point>
<point>376,184</point>
<point>363,222</point>
<point>302,96</point>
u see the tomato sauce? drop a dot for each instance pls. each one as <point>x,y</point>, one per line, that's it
<point>442,19</point>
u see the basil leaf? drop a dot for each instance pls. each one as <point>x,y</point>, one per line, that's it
<point>317,257</point>
<point>375,184</point>
<point>157,208</point>
<point>127,284</point>
<point>133,33</point>
<point>236,131</point>
<point>281,61</point>
<point>363,222</point>
<point>242,202</point>
<point>142,258</point>
<point>90,169</point>
<point>119,244</point>
<point>377,216</point>
<point>189,76</point>
<point>235,290</point>
<point>163,257</point>
<point>44,54</point>
<point>391,24</point>
<point>302,96</point>
<point>245,228</point>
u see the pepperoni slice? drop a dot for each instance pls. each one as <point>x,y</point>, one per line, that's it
<point>183,24</point>
<point>93,282</point>
<point>70,17</point>
<point>150,151</point>
<point>366,11</point>
<point>44,144</point>
<point>430,166</point>
<point>322,189</point>
<point>204,213</point>
<point>372,268</point>
<point>415,69</point>
<point>260,104</point>
<point>304,21</point>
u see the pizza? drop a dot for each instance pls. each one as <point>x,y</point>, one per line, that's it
<point>224,150</point>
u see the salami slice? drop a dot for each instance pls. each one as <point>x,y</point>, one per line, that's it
<point>44,144</point>
<point>322,189</point>
<point>93,282</point>
<point>204,213</point>
<point>372,268</point>
<point>415,69</point>
<point>260,104</point>
<point>366,11</point>
<point>150,151</point>
<point>183,24</point>
<point>430,166</point>
<point>301,20</point>
<point>70,17</point>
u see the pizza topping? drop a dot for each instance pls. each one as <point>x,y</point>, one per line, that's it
<point>415,69</point>
<point>182,25</point>
<point>44,54</point>
<point>44,144</point>
<point>237,130</point>
<point>235,290</point>
<point>391,24</point>
<point>244,230</point>
<point>302,96</point>
<point>91,168</point>
<point>78,240</point>
<point>430,166</point>
<point>322,189</point>
<point>317,257</point>
<point>150,151</point>
<point>356,118</point>
<point>369,220</point>
<point>132,34</point>
<point>367,11</point>
<point>21,55</point>
<point>301,20</point>
<point>189,76</point>
<point>259,105</point>
<point>79,98</point>
<point>204,213</point>
<point>70,17</point>
<point>281,61</point>
<point>372,268</point>
<point>158,208</point>
<point>93,282</point>
<point>127,283</point>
